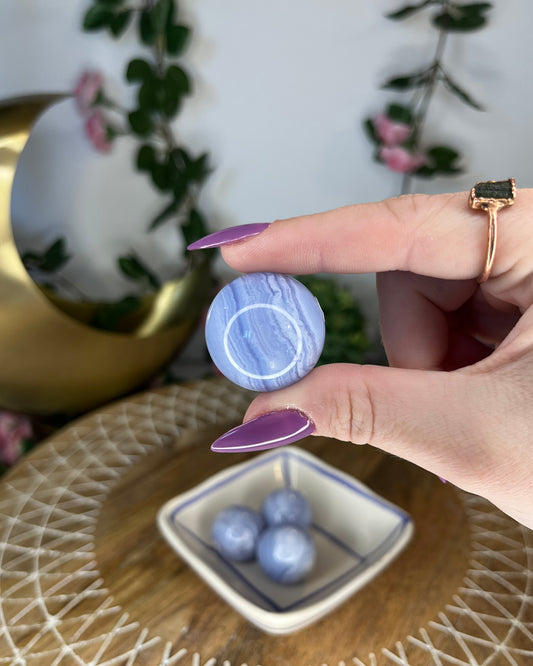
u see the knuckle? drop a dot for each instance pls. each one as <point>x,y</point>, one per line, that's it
<point>351,414</point>
<point>409,212</point>
<point>406,206</point>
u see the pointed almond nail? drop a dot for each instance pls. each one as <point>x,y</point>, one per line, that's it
<point>266,432</point>
<point>230,235</point>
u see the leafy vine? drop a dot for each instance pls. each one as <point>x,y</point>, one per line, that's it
<point>397,133</point>
<point>162,84</point>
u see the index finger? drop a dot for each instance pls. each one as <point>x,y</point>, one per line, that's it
<point>438,236</point>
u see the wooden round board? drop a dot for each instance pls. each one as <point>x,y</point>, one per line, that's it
<point>86,578</point>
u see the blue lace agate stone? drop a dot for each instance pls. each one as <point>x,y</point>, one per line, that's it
<point>286,553</point>
<point>265,331</point>
<point>236,531</point>
<point>286,506</point>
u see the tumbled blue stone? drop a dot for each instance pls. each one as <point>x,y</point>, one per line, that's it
<point>235,532</point>
<point>286,505</point>
<point>286,553</point>
<point>265,331</point>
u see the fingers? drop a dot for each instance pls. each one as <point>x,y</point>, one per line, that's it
<point>417,327</point>
<point>489,318</point>
<point>437,236</point>
<point>470,427</point>
<point>443,422</point>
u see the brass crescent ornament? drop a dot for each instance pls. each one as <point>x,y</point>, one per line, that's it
<point>51,362</point>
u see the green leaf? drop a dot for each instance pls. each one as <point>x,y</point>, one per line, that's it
<point>197,170</point>
<point>132,268</point>
<point>160,14</point>
<point>178,78</point>
<point>405,82</point>
<point>172,106</point>
<point>97,17</point>
<point>194,228</point>
<point>177,38</point>
<point>442,156</point>
<point>407,11</point>
<point>153,95</point>
<point>140,122</point>
<point>371,131</point>
<point>462,18</point>
<point>30,259</point>
<point>425,172</point>
<point>146,157</point>
<point>465,24</point>
<point>170,97</point>
<point>171,14</point>
<point>108,315</point>
<point>138,70</point>
<point>187,168</point>
<point>55,257</point>
<point>162,177</point>
<point>461,94</point>
<point>167,212</point>
<point>400,114</point>
<point>441,161</point>
<point>147,96</point>
<point>119,22</point>
<point>112,2</point>
<point>147,32</point>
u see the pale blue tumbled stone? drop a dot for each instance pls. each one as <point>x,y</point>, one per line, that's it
<point>265,331</point>
<point>286,506</point>
<point>286,553</point>
<point>236,531</point>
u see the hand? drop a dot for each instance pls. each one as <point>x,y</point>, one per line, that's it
<point>458,400</point>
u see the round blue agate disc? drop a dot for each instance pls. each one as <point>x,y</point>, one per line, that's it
<point>265,331</point>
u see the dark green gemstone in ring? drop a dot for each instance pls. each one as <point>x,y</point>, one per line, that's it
<point>501,189</point>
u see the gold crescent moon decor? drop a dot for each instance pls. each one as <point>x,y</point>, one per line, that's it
<point>50,360</point>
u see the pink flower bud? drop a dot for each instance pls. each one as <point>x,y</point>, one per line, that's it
<point>14,429</point>
<point>401,160</point>
<point>96,130</point>
<point>87,89</point>
<point>390,132</point>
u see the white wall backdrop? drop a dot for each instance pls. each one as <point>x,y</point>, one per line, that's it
<point>281,89</point>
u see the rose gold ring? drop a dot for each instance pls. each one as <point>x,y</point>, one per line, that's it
<point>492,196</point>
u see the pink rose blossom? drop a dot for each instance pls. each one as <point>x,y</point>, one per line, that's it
<point>14,428</point>
<point>401,160</point>
<point>86,92</point>
<point>96,130</point>
<point>390,132</point>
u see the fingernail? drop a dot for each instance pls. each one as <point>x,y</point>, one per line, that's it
<point>266,432</point>
<point>230,235</point>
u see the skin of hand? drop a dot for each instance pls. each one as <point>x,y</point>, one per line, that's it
<point>458,397</point>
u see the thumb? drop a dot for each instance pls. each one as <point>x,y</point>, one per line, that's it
<point>438,420</point>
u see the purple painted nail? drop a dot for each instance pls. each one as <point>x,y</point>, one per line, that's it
<point>266,432</point>
<point>230,235</point>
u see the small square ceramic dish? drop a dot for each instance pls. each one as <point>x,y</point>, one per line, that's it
<point>356,532</point>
